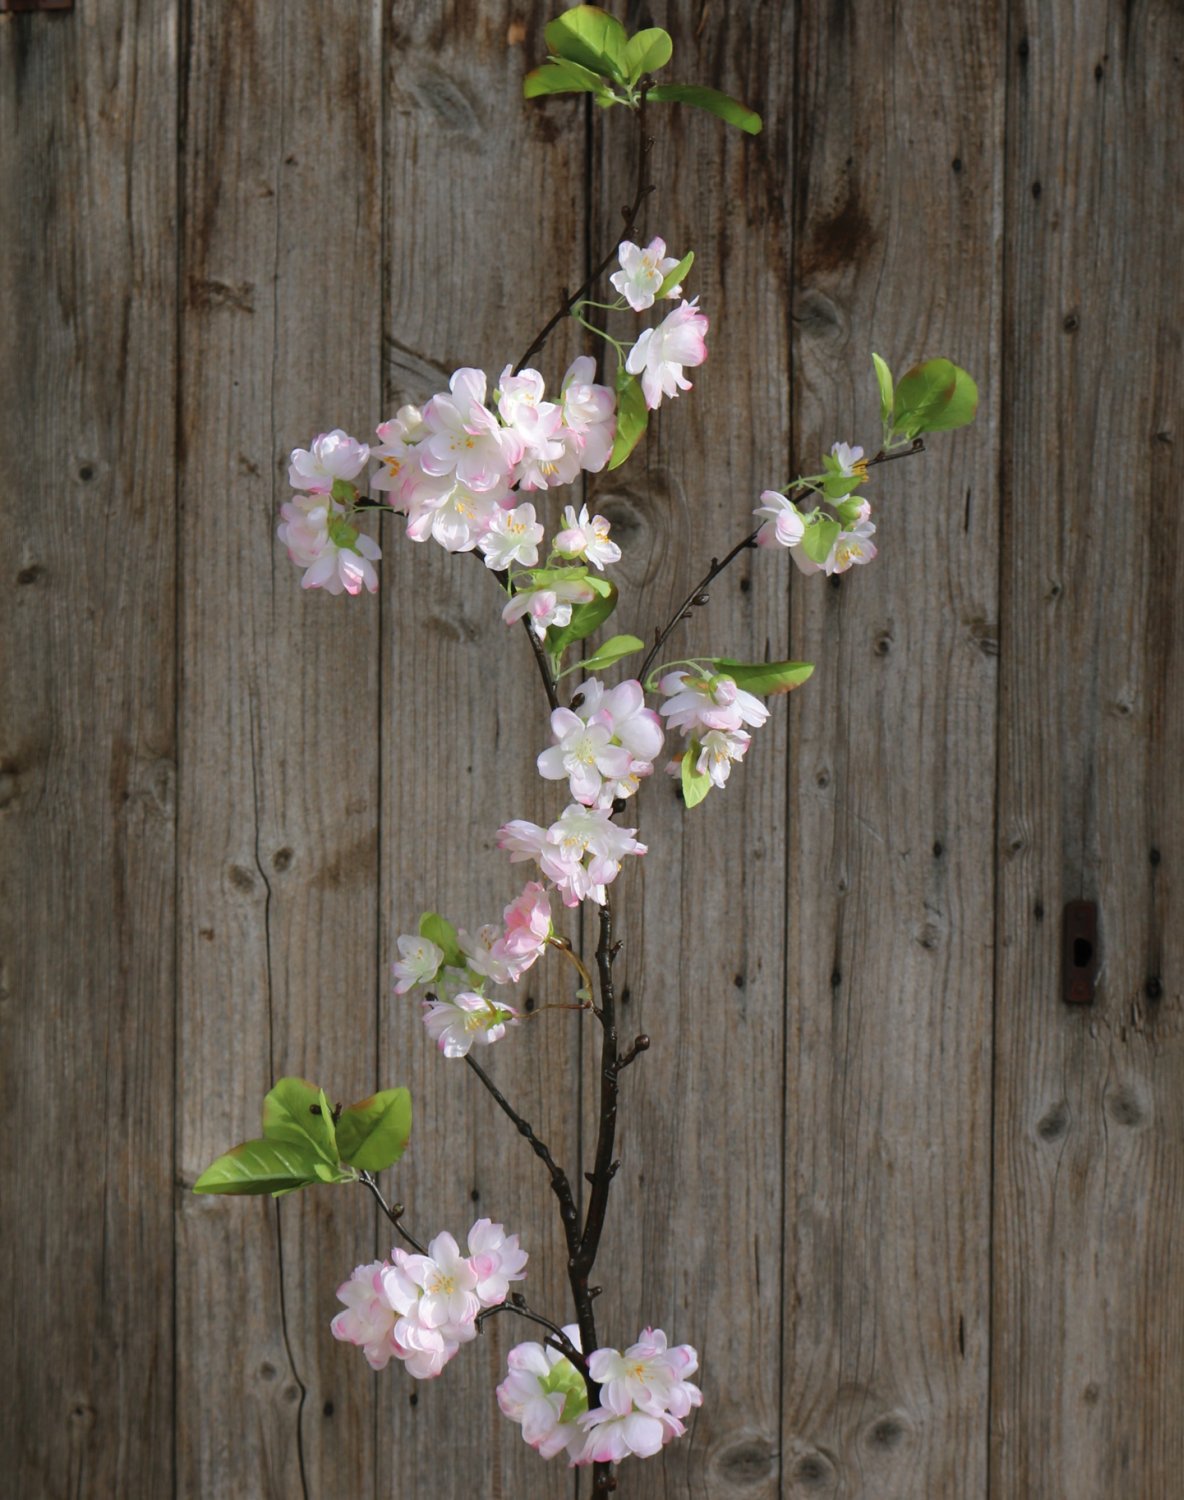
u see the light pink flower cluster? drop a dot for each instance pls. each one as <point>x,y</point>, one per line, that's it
<point>422,1308</point>
<point>456,467</point>
<point>315,528</point>
<point>604,744</point>
<point>644,1393</point>
<point>785,525</point>
<point>710,709</point>
<point>580,834</point>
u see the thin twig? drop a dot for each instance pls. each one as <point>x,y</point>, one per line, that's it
<point>393,1212</point>
<point>559,1341</point>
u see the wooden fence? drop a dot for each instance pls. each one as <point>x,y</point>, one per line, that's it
<point>922,1218</point>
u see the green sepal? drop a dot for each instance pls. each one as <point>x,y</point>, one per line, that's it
<point>647,51</point>
<point>269,1166</point>
<point>695,784</point>
<point>344,492</point>
<point>613,650</point>
<point>711,100</point>
<point>564,1377</point>
<point>590,37</point>
<point>765,678</point>
<point>297,1111</point>
<point>562,76</point>
<point>677,276</point>
<point>439,930</point>
<point>818,538</point>
<point>848,511</point>
<point>887,399</point>
<point>585,618</point>
<point>632,418</point>
<point>373,1133</point>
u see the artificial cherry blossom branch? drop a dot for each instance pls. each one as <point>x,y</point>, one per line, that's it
<point>394,1212</point>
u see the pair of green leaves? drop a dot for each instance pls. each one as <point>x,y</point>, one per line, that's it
<point>765,679</point>
<point>592,53</point>
<point>302,1143</point>
<point>934,396</point>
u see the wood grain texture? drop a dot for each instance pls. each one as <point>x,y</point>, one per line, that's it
<point>87,753</point>
<point>1088,1377</point>
<point>279,799</point>
<point>887,1208</point>
<point>484,225</point>
<point>692,1242</point>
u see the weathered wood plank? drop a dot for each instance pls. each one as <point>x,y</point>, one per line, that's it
<point>1088,1368</point>
<point>278,808</point>
<point>692,1243</point>
<point>483,224</point>
<point>87,754</point>
<point>887,1201</point>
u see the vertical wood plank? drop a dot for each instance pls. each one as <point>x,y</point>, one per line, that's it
<point>1088,1374</point>
<point>279,794</point>
<point>694,1223</point>
<point>87,754</point>
<point>484,225</point>
<point>897,198</point>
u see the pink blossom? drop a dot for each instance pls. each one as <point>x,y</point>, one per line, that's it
<point>546,1394</point>
<point>660,354</point>
<point>548,606</point>
<point>605,745</point>
<point>783,526</point>
<point>697,703</point>
<point>447,1283</point>
<point>589,415</point>
<point>465,438</point>
<point>644,1395</point>
<point>332,455</point>
<point>466,1020</point>
<point>496,1260</point>
<point>851,461</point>
<point>579,834</point>
<point>419,964</point>
<point>507,954</point>
<point>586,538</point>
<point>335,555</point>
<point>368,1319</point>
<point>398,439</point>
<point>513,537</point>
<point>642,273</point>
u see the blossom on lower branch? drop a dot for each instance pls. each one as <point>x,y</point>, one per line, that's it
<point>644,1394</point>
<point>421,1308</point>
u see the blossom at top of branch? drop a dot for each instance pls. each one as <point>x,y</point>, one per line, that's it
<point>642,273</point>
<point>661,354</point>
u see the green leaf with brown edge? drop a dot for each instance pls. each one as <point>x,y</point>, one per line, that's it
<point>262,1167</point>
<point>922,395</point>
<point>590,37</point>
<point>439,930</point>
<point>677,276</point>
<point>632,420</point>
<point>373,1133</point>
<point>561,76</point>
<point>297,1111</point>
<point>711,100</point>
<point>585,618</point>
<point>960,409</point>
<point>765,678</point>
<point>695,784</point>
<point>647,51</point>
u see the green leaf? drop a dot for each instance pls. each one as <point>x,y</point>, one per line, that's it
<point>818,538</point>
<point>373,1134</point>
<point>839,486</point>
<point>884,380</point>
<point>612,650</point>
<point>647,51</point>
<point>439,930</point>
<point>590,37</point>
<point>297,1111</point>
<point>262,1167</point>
<point>677,276</point>
<point>632,419</point>
<point>585,618</point>
<point>561,76</point>
<point>959,410</point>
<point>542,578</point>
<point>712,100</point>
<point>764,677</point>
<point>344,492</point>
<point>695,784</point>
<point>923,394</point>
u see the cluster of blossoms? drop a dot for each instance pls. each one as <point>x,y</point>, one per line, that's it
<point>604,744</point>
<point>457,1012</point>
<point>581,851</point>
<point>422,1308</point>
<point>644,1393</point>
<point>847,540</point>
<point>710,710</point>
